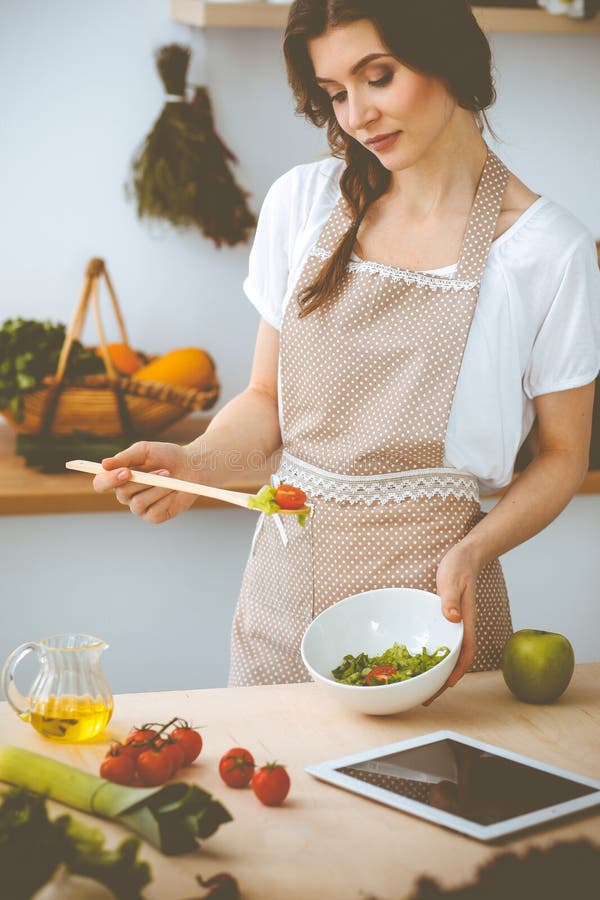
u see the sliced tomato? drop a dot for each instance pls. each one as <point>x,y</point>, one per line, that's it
<point>289,497</point>
<point>380,674</point>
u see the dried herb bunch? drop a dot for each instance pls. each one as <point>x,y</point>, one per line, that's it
<point>181,173</point>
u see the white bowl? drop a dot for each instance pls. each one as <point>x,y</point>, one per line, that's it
<point>372,622</point>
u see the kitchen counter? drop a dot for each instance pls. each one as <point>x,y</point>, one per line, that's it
<point>325,843</point>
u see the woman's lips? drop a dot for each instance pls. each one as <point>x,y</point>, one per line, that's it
<point>383,142</point>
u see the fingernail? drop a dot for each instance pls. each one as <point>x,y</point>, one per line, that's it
<point>454,611</point>
<point>122,475</point>
<point>163,472</point>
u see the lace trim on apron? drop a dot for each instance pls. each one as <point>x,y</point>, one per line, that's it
<point>397,486</point>
<point>438,282</point>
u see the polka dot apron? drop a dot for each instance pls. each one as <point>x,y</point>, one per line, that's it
<point>367,382</point>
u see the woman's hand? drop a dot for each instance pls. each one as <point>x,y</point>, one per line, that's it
<point>456,584</point>
<point>155,505</point>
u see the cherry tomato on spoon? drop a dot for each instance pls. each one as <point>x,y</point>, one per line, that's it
<point>289,497</point>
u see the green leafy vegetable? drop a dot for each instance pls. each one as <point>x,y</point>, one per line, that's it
<point>354,669</point>
<point>32,846</point>
<point>49,453</point>
<point>265,501</point>
<point>171,817</point>
<point>29,351</point>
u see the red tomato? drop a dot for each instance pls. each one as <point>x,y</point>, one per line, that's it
<point>236,767</point>
<point>190,742</point>
<point>154,767</point>
<point>139,740</point>
<point>118,767</point>
<point>289,497</point>
<point>380,674</point>
<point>271,784</point>
<point>174,750</point>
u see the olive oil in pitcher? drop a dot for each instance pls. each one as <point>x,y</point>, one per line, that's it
<point>70,718</point>
<point>70,699</point>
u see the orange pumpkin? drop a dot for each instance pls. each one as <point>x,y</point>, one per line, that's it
<point>187,367</point>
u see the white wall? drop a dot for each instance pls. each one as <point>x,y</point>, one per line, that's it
<point>163,597</point>
<point>79,92</point>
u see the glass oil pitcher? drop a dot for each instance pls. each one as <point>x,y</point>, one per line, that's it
<point>70,699</point>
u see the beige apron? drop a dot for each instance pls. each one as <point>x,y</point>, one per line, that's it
<point>366,387</point>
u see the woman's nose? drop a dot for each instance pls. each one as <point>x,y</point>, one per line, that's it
<point>361,112</point>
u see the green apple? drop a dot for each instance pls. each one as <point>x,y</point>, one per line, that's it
<point>537,665</point>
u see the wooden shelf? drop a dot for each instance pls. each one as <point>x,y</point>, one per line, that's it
<point>274,15</point>
<point>26,491</point>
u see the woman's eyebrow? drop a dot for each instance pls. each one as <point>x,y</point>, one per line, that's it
<point>359,65</point>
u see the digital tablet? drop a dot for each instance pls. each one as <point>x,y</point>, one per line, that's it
<point>453,780</point>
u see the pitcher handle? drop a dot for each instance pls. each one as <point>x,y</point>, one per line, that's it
<point>19,703</point>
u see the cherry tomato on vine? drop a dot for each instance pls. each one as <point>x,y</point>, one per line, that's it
<point>190,742</point>
<point>271,784</point>
<point>380,674</point>
<point>289,497</point>
<point>174,750</point>
<point>139,740</point>
<point>154,766</point>
<point>236,767</point>
<point>119,749</point>
<point>117,766</point>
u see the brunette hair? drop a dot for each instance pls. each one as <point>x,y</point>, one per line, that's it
<point>436,37</point>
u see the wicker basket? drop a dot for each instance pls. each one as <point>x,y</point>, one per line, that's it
<point>109,405</point>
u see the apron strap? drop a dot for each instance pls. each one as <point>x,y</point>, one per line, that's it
<point>335,228</point>
<point>483,219</point>
<point>479,232</point>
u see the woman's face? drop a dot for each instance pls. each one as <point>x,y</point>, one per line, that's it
<point>395,112</point>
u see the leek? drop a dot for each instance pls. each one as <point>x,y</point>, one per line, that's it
<point>171,817</point>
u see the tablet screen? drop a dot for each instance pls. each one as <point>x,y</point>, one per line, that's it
<point>467,781</point>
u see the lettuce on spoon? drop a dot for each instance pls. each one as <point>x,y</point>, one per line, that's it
<point>265,502</point>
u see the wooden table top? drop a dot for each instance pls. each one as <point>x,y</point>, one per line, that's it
<point>325,842</point>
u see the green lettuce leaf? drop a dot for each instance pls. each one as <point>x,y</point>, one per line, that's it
<point>354,669</point>
<point>265,501</point>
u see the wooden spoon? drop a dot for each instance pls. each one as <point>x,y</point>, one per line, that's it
<point>238,498</point>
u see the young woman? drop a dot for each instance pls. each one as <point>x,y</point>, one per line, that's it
<point>420,306</point>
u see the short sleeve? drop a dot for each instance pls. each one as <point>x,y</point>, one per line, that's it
<point>269,263</point>
<point>566,350</point>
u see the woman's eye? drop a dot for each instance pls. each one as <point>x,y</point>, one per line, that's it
<point>380,82</point>
<point>385,79</point>
<point>337,98</point>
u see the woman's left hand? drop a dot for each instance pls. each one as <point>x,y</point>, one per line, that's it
<point>456,584</point>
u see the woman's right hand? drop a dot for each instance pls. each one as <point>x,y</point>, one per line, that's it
<point>155,505</point>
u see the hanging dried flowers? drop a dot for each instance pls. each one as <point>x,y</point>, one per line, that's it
<point>181,172</point>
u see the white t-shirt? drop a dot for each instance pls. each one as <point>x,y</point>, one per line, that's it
<point>536,327</point>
